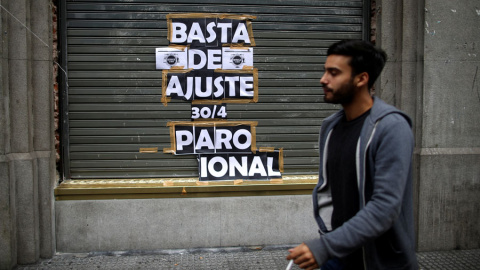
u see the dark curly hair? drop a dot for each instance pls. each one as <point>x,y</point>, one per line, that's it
<point>365,57</point>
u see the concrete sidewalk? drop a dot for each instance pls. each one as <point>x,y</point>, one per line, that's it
<point>272,257</point>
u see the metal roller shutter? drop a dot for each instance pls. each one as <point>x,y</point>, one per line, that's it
<point>113,105</point>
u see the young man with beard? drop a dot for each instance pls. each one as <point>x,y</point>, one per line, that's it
<point>363,200</point>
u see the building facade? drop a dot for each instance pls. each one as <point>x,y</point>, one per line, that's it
<point>108,194</point>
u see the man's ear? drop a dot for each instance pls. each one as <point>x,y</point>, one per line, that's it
<point>361,79</point>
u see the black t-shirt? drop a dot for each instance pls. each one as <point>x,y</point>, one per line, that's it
<point>342,176</point>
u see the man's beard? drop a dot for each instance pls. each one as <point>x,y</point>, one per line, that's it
<point>343,95</point>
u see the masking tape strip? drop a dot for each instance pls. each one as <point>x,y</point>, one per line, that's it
<point>250,33</point>
<point>169,28</point>
<point>266,149</point>
<point>280,160</point>
<point>202,183</point>
<point>168,183</point>
<point>222,123</point>
<point>210,119</point>
<point>238,182</point>
<point>173,139</point>
<point>255,85</point>
<point>276,181</point>
<point>173,143</point>
<point>164,99</point>
<point>236,17</point>
<point>254,139</point>
<point>178,71</point>
<point>149,150</point>
<point>235,45</point>
<point>226,101</point>
<point>210,15</point>
<point>207,101</point>
<point>168,151</point>
<point>191,15</point>
<point>238,46</point>
<point>237,100</point>
<point>236,123</point>
<point>179,47</point>
<point>238,71</point>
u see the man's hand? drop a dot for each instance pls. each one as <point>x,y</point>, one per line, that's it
<point>303,257</point>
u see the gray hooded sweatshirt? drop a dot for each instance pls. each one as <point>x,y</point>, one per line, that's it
<point>384,226</point>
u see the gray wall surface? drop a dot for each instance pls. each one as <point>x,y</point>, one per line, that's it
<point>450,155</point>
<point>433,74</point>
<point>27,165</point>
<point>149,224</point>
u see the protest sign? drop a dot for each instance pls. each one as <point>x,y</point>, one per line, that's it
<point>210,63</point>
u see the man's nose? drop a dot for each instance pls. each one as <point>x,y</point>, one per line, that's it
<point>322,80</point>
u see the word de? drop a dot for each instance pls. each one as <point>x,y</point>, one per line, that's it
<point>197,59</point>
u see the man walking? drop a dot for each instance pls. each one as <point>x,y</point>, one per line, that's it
<point>363,200</point>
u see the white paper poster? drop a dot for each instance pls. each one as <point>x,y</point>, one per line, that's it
<point>166,58</point>
<point>233,58</point>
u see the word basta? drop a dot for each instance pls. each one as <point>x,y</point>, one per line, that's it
<point>210,29</point>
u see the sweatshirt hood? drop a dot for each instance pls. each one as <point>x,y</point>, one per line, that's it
<point>380,109</point>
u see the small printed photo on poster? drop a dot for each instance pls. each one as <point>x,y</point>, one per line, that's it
<point>167,57</point>
<point>237,58</point>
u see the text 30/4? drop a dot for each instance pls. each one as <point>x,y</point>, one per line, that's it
<point>209,111</point>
